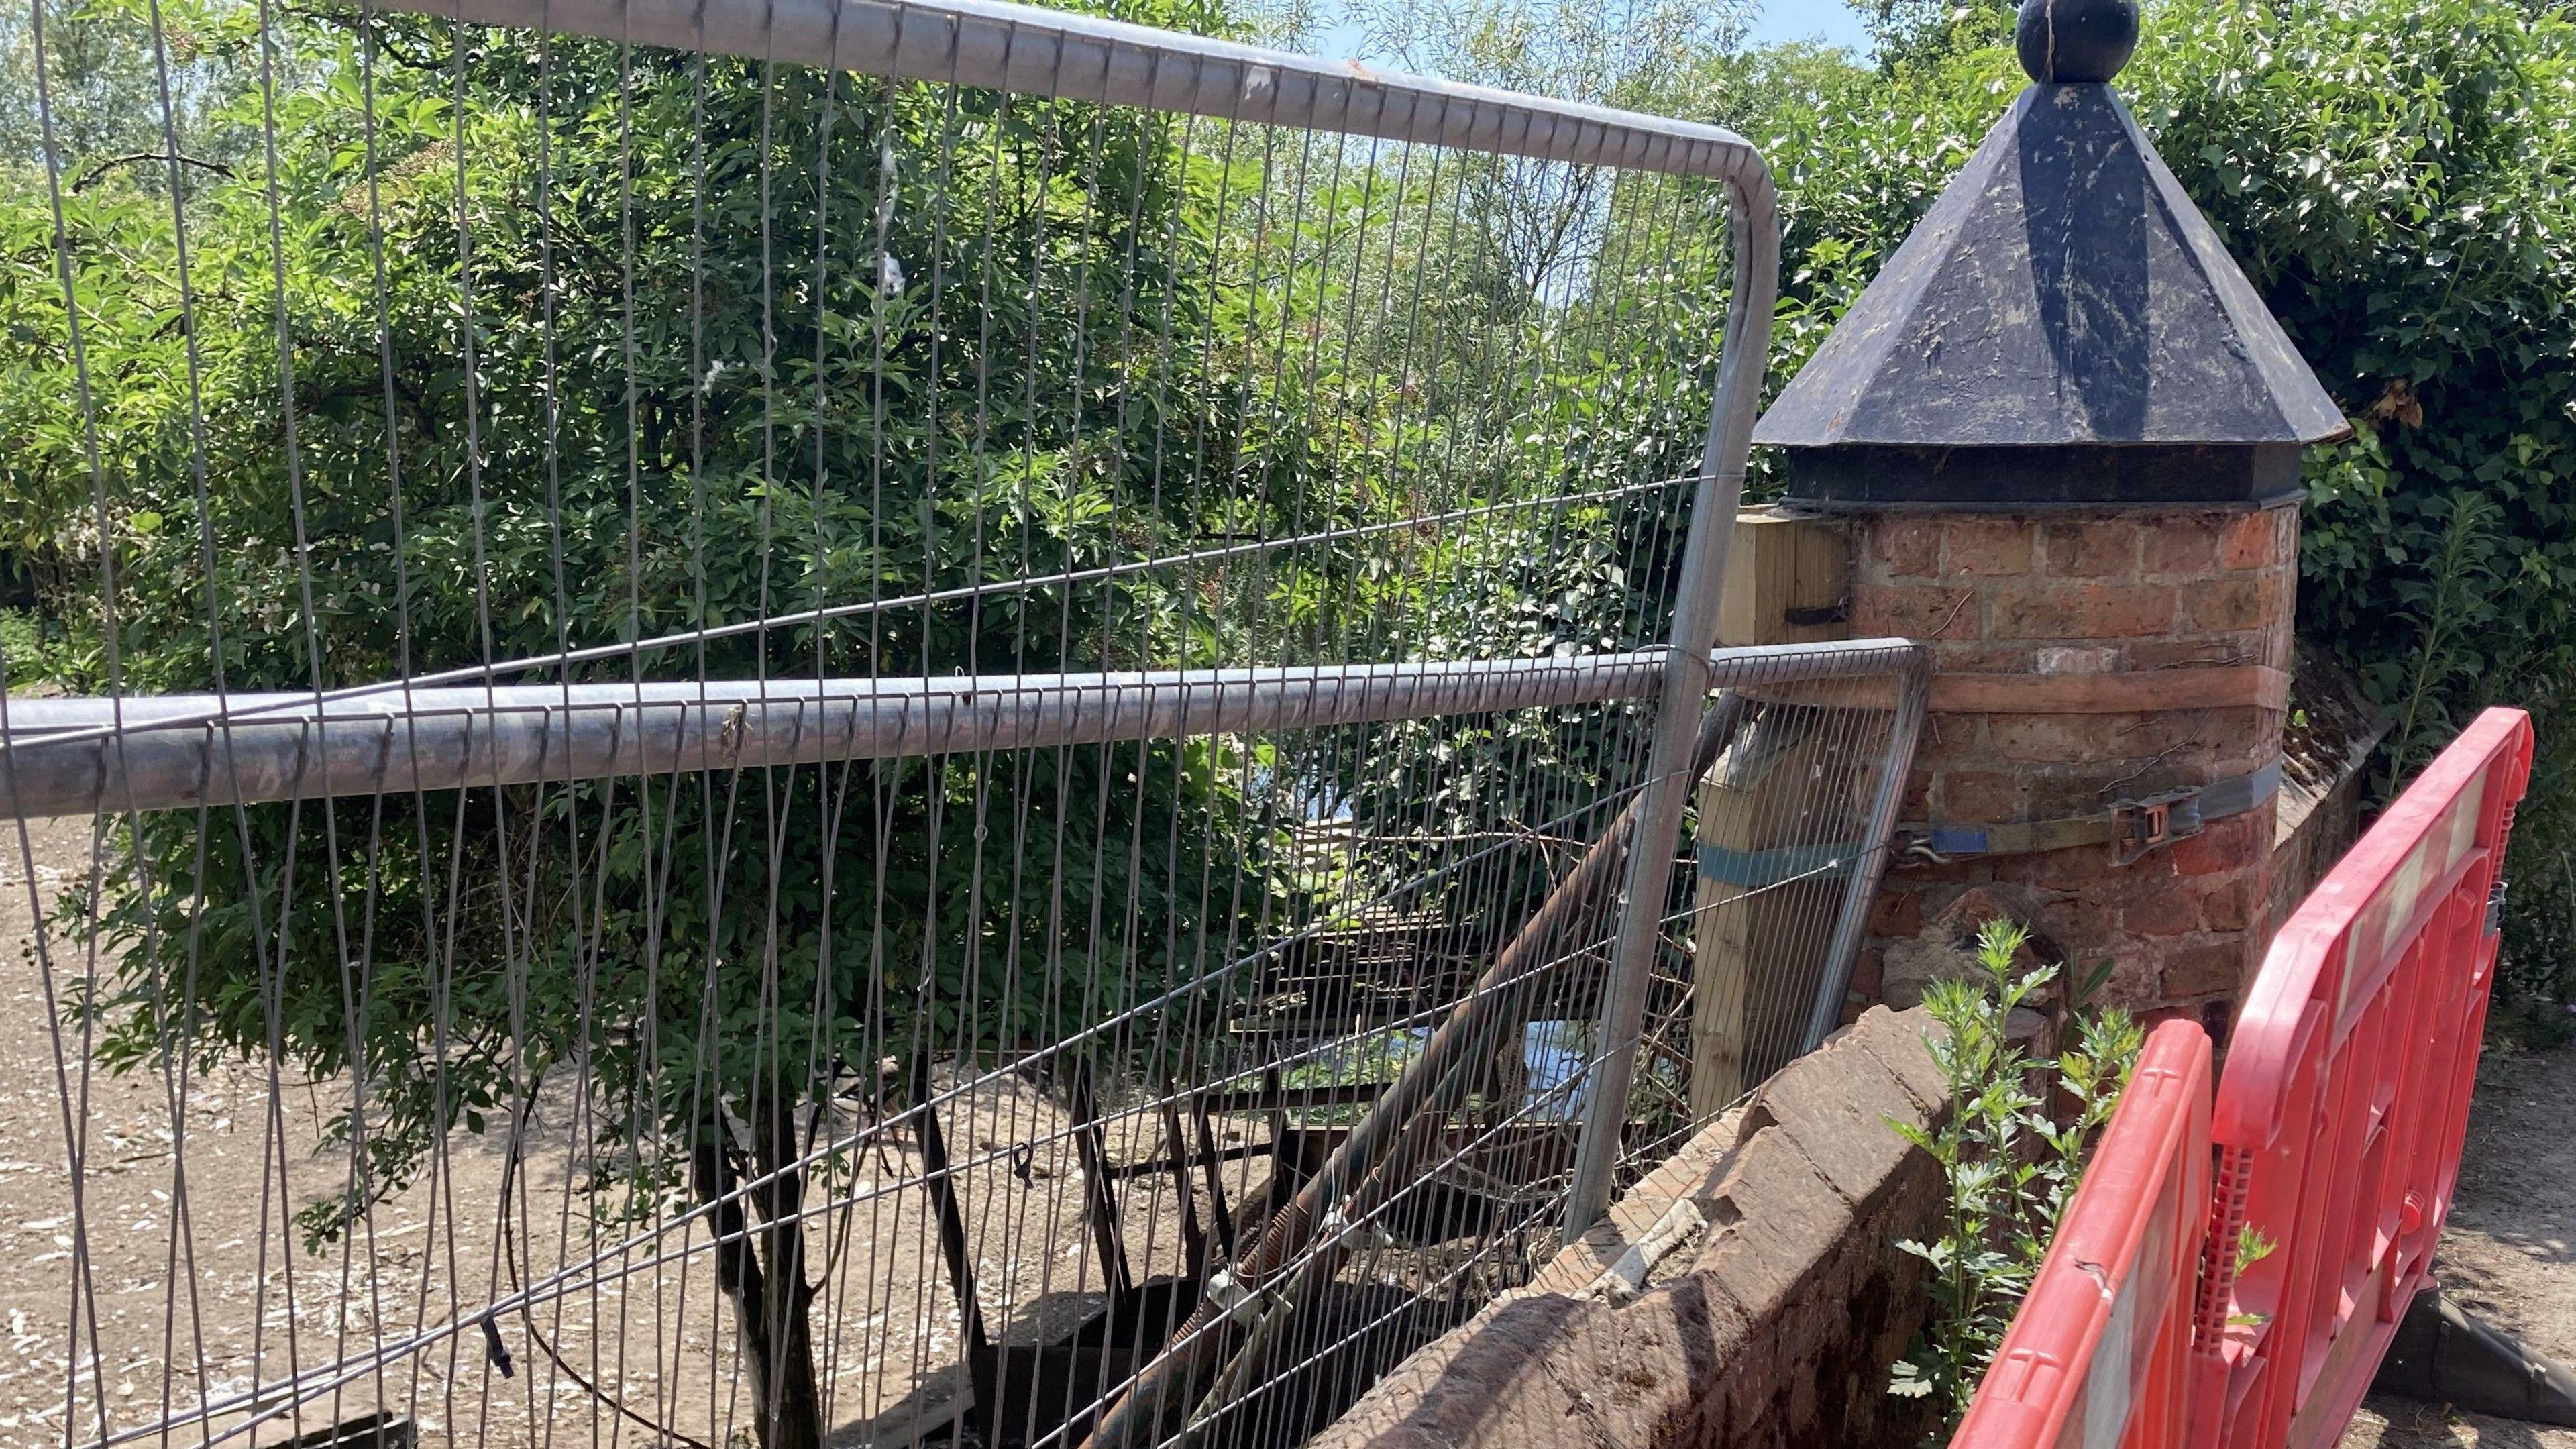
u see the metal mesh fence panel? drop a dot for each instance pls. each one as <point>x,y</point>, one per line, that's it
<point>893,722</point>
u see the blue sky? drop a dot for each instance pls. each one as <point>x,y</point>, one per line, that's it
<point>1829,20</point>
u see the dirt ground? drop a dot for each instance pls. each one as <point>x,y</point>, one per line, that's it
<point>2509,1251</point>
<point>197,1198</point>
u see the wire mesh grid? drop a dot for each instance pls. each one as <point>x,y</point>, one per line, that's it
<point>875,723</point>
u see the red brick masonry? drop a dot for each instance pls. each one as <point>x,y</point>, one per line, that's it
<point>2062,597</point>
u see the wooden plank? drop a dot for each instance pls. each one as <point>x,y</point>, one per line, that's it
<point>953,1247</point>
<point>1783,562</point>
<point>1194,1240</point>
<point>1100,1199</point>
<point>1795,777</point>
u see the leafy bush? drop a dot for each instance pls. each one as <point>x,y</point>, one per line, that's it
<point>2009,1165</point>
<point>32,645</point>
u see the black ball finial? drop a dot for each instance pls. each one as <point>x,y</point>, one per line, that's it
<point>2075,40</point>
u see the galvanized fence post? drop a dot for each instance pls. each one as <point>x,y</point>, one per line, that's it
<point>1744,356</point>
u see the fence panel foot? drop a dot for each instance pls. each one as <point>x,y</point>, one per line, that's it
<point>2444,1355</point>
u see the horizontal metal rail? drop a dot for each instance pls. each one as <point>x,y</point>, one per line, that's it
<point>163,752</point>
<point>1082,57</point>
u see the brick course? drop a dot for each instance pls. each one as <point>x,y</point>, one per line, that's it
<point>2090,548</point>
<point>2082,609</point>
<point>1973,546</point>
<point>2074,595</point>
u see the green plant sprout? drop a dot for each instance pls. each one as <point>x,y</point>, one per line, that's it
<point>2008,1165</point>
<point>2251,1248</point>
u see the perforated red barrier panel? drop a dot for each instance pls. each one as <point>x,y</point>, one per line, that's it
<point>2336,1135</point>
<point>2339,1119</point>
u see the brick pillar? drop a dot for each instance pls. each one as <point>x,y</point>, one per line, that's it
<point>2068,435</point>
<point>2071,623</point>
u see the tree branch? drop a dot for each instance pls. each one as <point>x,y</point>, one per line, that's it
<point>112,162</point>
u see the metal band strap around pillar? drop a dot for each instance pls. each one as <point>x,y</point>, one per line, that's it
<point>2132,827</point>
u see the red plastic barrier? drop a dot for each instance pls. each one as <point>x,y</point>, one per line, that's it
<point>2099,1354</point>
<point>2347,1088</point>
<point>2337,1134</point>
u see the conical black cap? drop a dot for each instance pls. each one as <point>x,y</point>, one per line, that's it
<point>2063,327</point>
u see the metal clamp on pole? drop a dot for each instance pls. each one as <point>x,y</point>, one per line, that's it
<point>1234,1298</point>
<point>2140,826</point>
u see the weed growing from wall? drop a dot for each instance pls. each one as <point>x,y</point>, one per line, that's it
<point>2009,1164</point>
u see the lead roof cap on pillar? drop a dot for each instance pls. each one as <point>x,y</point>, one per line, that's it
<point>2063,328</point>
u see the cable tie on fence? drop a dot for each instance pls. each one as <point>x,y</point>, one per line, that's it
<point>495,1351</point>
<point>1337,1229</point>
<point>1234,1298</point>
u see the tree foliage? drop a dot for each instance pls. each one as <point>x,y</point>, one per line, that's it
<point>731,457</point>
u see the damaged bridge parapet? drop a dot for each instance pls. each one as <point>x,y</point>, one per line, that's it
<point>1775,1322</point>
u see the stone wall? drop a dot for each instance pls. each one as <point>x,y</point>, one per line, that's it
<point>1774,1323</point>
